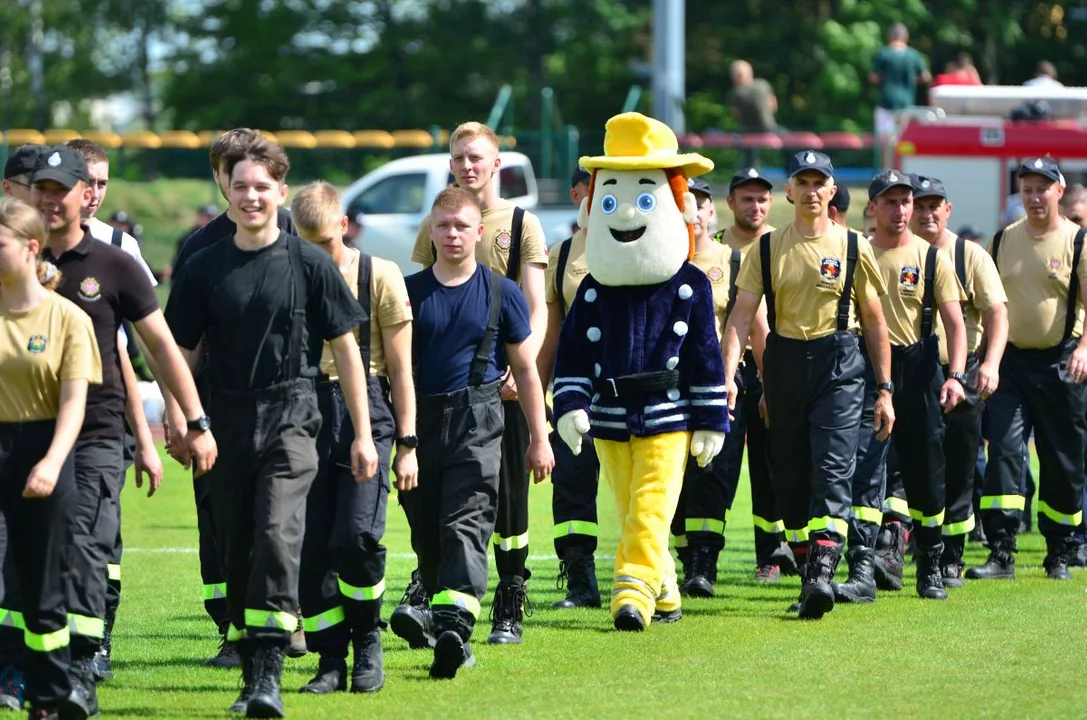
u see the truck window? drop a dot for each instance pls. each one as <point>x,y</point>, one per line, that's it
<point>512,182</point>
<point>394,195</point>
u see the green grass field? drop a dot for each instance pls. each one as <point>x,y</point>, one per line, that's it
<point>993,650</point>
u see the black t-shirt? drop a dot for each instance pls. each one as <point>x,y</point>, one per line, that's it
<point>240,302</point>
<point>449,325</point>
<point>220,228</point>
<point>110,286</point>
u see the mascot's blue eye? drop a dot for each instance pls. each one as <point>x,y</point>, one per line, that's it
<point>646,202</point>
<point>608,204</point>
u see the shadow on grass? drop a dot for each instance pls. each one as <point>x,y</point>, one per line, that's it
<point>142,712</point>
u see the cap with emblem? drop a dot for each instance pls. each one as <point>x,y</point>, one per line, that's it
<point>22,161</point>
<point>887,179</point>
<point>810,160</point>
<point>1044,166</point>
<point>698,185</point>
<point>970,232</point>
<point>581,175</point>
<point>927,187</point>
<point>748,175</point>
<point>61,164</point>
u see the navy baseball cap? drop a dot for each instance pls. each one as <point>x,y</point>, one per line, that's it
<point>581,175</point>
<point>699,185</point>
<point>969,232</point>
<point>887,179</point>
<point>810,160</point>
<point>749,174</point>
<point>22,161</point>
<point>927,187</point>
<point>840,201</point>
<point>63,165</point>
<point>1043,166</point>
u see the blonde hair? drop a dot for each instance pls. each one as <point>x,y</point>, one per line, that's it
<point>471,131</point>
<point>25,223</point>
<point>316,207</point>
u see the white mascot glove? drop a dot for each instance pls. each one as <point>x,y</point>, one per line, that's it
<point>571,427</point>
<point>705,445</point>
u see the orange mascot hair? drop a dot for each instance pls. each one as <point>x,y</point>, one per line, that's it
<point>677,181</point>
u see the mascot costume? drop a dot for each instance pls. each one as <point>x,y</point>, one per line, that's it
<point>639,366</point>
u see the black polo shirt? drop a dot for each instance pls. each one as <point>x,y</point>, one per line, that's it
<point>110,286</point>
<point>240,303</point>
<point>220,228</point>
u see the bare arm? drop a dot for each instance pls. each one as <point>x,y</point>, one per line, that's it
<point>523,367</point>
<point>345,351</point>
<point>1077,364</point>
<point>73,402</point>
<point>738,329</point>
<point>545,360</point>
<point>991,349</point>
<point>174,371</point>
<point>146,460</point>
<point>397,343</point>
<point>532,284</point>
<point>760,331</point>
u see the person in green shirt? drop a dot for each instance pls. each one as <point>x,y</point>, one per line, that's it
<point>896,70</point>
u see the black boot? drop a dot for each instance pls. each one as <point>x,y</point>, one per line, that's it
<point>1056,560</point>
<point>890,556</point>
<point>1000,565</point>
<point>861,586</point>
<point>368,670</point>
<point>415,594</point>
<point>817,595</point>
<point>701,573</point>
<point>331,677</point>
<point>228,657</point>
<point>579,571</point>
<point>930,579</point>
<point>628,619</point>
<point>84,693</point>
<point>784,558</point>
<point>267,670</point>
<point>451,653</point>
<point>683,554</point>
<point>416,625</point>
<point>951,565</point>
<point>249,676</point>
<point>507,611</point>
<point>103,668</point>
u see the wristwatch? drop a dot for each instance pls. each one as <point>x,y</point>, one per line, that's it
<point>961,377</point>
<point>408,441</point>
<point>200,424</point>
<point>888,386</point>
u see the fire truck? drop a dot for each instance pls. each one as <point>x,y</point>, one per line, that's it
<point>967,140</point>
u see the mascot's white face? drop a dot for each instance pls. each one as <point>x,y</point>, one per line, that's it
<point>635,232</point>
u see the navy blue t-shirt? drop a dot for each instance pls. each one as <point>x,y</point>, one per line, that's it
<point>449,324</point>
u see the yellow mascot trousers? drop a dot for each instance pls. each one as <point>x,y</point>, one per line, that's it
<point>646,477</point>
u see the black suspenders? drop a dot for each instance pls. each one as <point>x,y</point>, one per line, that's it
<point>767,283</point>
<point>560,273</point>
<point>929,293</point>
<point>117,237</point>
<point>733,273</point>
<point>486,346</point>
<point>846,298</point>
<point>1073,281</point>
<point>513,268</point>
<point>298,310</point>
<point>366,267</point>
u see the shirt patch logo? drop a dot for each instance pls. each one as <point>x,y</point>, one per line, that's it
<point>89,289</point>
<point>36,344</point>
<point>1054,265</point>
<point>830,268</point>
<point>910,276</point>
<point>715,274</point>
<point>503,240</point>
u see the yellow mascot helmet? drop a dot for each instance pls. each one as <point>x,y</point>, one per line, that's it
<point>633,141</point>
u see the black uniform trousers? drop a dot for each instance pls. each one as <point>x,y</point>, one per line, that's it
<point>870,475</point>
<point>962,437</point>
<point>511,528</point>
<point>749,427</point>
<point>12,644</point>
<point>455,504</point>
<point>96,517</point>
<point>574,484</point>
<point>211,574</point>
<point>703,504</point>
<point>814,395</point>
<point>343,561</point>
<point>1034,388</point>
<point>39,534</point>
<point>267,461</point>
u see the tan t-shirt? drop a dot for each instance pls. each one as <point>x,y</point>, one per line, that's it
<point>389,307</point>
<point>728,238</point>
<point>983,291</point>
<point>1036,273</point>
<point>494,248</point>
<point>576,270</point>
<point>715,262</point>
<point>39,349</point>
<point>808,275</point>
<point>903,271</point>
